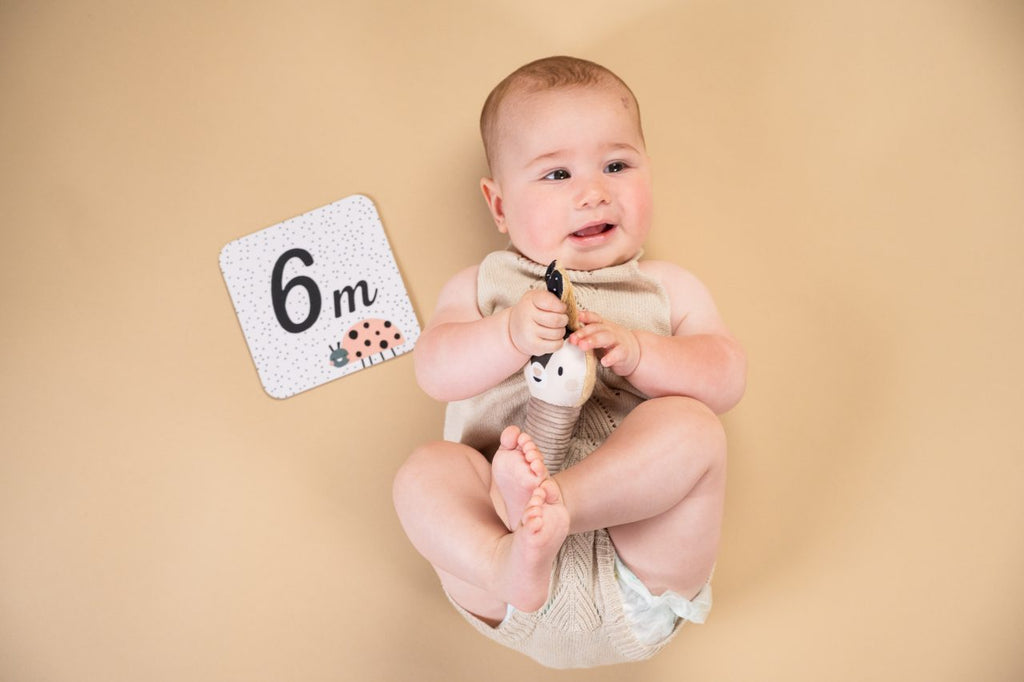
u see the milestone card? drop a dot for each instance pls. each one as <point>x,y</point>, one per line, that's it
<point>319,296</point>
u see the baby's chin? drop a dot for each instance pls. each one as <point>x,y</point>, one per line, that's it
<point>585,261</point>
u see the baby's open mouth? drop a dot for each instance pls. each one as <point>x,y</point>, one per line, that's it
<point>592,230</point>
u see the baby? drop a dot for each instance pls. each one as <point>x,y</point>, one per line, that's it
<point>601,561</point>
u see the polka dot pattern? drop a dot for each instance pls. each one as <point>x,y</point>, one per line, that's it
<point>337,257</point>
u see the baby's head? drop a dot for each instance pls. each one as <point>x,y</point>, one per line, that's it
<point>550,73</point>
<point>570,178</point>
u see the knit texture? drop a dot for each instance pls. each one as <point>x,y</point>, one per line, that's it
<point>582,624</point>
<point>621,294</point>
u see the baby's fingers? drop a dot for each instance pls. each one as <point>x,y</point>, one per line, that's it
<point>545,300</point>
<point>613,356</point>
<point>551,333</point>
<point>593,336</point>
<point>551,321</point>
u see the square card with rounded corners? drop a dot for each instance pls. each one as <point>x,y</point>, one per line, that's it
<point>319,296</point>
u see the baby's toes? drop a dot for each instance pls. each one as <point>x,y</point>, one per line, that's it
<point>548,491</point>
<point>531,453</point>
<point>533,519</point>
<point>510,437</point>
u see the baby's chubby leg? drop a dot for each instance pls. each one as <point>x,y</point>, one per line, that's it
<point>443,498</point>
<point>658,485</point>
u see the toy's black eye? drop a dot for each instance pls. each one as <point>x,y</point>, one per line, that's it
<point>559,371</point>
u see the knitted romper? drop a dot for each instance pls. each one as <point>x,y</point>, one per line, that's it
<point>582,624</point>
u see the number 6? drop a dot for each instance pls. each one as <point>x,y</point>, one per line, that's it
<point>279,294</point>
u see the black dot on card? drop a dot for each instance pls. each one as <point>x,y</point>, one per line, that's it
<point>359,353</point>
<point>367,342</point>
<point>387,324</point>
<point>377,333</point>
<point>353,334</point>
<point>397,336</point>
<point>366,325</point>
<point>383,344</point>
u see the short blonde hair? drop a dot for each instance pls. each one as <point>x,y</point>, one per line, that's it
<point>549,73</point>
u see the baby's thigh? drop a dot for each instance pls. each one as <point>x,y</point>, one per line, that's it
<point>676,548</point>
<point>676,425</point>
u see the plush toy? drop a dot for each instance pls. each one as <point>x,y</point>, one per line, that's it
<point>559,382</point>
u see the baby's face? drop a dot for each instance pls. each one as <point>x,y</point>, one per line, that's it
<point>572,178</point>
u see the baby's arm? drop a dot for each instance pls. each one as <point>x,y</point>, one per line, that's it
<point>701,359</point>
<point>461,353</point>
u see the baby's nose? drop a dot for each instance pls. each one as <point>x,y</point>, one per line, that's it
<point>593,193</point>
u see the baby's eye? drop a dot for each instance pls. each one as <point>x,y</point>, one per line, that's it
<point>615,167</point>
<point>560,174</point>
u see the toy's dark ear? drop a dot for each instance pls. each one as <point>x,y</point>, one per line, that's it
<point>553,279</point>
<point>558,283</point>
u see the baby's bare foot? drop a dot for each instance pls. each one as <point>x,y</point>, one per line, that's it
<point>527,555</point>
<point>516,470</point>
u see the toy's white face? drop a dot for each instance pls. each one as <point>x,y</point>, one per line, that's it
<point>561,380</point>
<point>572,178</point>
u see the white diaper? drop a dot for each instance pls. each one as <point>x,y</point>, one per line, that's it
<point>653,618</point>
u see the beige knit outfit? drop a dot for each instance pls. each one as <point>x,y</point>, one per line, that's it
<point>582,624</point>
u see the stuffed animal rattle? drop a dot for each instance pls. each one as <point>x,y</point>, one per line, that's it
<point>559,382</point>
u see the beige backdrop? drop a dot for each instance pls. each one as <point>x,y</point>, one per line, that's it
<point>847,177</point>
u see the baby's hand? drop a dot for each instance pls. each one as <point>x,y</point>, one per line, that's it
<point>620,347</point>
<point>537,322</point>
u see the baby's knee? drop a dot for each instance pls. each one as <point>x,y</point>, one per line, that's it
<point>431,465</point>
<point>413,472</point>
<point>691,422</point>
<point>687,413</point>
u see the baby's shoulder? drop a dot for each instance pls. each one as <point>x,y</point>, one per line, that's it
<point>465,275</point>
<point>673,277</point>
<point>693,310</point>
<point>460,289</point>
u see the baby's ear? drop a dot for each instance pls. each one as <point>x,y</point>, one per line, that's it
<point>492,195</point>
